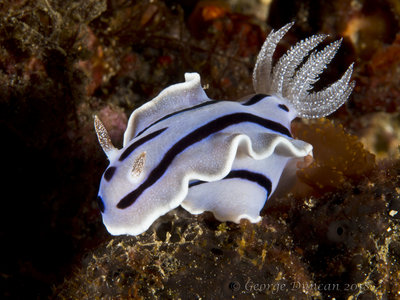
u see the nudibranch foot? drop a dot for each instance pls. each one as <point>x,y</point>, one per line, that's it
<point>258,163</point>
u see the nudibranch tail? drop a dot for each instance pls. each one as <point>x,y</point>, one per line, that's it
<point>103,137</point>
<point>292,78</point>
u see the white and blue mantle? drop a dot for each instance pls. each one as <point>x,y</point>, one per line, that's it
<point>182,148</point>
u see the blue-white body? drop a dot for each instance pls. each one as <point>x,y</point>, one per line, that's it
<point>183,148</point>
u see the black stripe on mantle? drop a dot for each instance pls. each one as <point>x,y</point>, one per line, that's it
<point>140,142</point>
<point>194,137</point>
<point>258,178</point>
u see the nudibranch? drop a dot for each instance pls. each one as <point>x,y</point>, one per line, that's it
<point>227,157</point>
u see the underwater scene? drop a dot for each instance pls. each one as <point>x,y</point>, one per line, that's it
<point>238,149</point>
